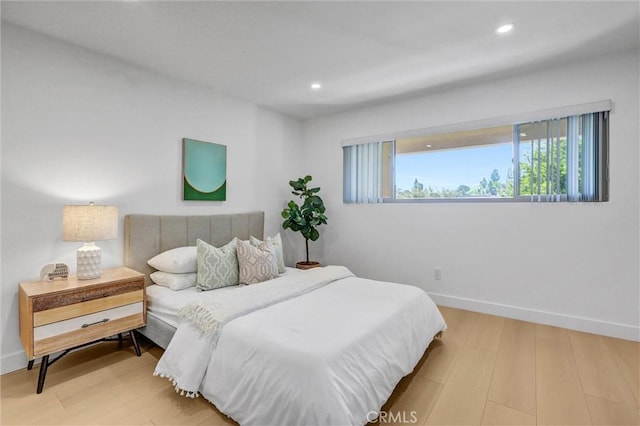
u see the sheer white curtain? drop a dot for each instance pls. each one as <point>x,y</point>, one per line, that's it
<point>363,173</point>
<point>591,157</point>
<point>573,158</point>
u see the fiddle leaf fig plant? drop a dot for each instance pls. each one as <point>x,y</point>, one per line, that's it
<point>305,218</point>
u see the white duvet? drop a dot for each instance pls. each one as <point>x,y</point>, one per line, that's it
<point>331,356</point>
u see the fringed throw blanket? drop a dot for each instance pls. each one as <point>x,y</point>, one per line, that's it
<point>187,356</point>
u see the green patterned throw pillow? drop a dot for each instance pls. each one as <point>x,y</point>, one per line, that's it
<point>277,243</point>
<point>217,267</point>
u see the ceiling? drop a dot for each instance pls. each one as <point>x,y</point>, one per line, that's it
<point>363,53</point>
<point>455,140</point>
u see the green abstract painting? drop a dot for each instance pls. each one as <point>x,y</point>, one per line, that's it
<point>204,170</point>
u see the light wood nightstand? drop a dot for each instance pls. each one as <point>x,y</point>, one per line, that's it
<point>65,315</point>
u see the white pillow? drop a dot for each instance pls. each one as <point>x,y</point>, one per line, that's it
<point>181,260</point>
<point>257,264</point>
<point>277,243</point>
<point>174,281</point>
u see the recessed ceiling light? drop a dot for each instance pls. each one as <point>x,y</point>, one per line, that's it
<point>316,86</point>
<point>429,145</point>
<point>503,29</point>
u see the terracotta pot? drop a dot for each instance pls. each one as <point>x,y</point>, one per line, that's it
<point>307,265</point>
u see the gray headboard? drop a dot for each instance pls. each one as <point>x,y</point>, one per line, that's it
<point>148,235</point>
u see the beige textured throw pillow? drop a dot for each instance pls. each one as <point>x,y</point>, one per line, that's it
<point>217,267</point>
<point>257,264</point>
<point>277,242</point>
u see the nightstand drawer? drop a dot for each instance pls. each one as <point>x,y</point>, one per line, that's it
<point>88,334</point>
<point>96,292</point>
<point>95,321</point>
<point>78,309</point>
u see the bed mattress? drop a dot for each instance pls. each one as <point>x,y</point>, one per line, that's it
<point>164,303</point>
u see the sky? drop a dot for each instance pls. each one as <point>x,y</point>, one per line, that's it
<point>452,168</point>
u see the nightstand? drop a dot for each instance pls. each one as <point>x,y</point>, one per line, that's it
<point>65,315</point>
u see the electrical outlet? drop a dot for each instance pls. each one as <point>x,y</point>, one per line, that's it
<point>437,274</point>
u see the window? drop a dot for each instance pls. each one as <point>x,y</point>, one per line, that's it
<point>563,159</point>
<point>467,164</point>
<point>560,159</point>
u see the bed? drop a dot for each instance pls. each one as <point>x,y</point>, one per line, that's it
<point>318,347</point>
<point>148,235</point>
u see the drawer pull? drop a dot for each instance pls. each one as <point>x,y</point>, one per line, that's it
<point>94,323</point>
<point>98,296</point>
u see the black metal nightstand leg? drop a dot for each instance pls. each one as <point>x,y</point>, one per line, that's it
<point>44,364</point>
<point>30,364</point>
<point>134,340</point>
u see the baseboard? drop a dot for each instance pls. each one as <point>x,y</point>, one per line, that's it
<point>12,362</point>
<point>588,325</point>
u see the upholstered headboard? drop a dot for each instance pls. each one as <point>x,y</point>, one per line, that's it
<point>148,235</point>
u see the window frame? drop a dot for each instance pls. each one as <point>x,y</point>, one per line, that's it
<point>512,120</point>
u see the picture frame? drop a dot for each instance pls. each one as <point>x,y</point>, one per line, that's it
<point>204,171</point>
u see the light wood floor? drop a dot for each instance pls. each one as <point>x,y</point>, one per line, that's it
<point>484,370</point>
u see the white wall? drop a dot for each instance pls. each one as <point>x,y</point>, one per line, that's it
<point>572,265</point>
<point>79,127</point>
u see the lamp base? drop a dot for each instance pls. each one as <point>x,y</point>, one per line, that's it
<point>89,261</point>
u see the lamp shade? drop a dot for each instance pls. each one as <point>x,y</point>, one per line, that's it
<point>89,223</point>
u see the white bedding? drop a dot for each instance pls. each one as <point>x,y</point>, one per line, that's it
<point>331,356</point>
<point>164,303</point>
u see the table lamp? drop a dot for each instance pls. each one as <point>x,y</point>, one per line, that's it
<point>89,223</point>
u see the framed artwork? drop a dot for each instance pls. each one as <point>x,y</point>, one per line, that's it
<point>204,175</point>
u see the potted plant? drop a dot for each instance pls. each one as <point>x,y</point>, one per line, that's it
<point>305,218</point>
